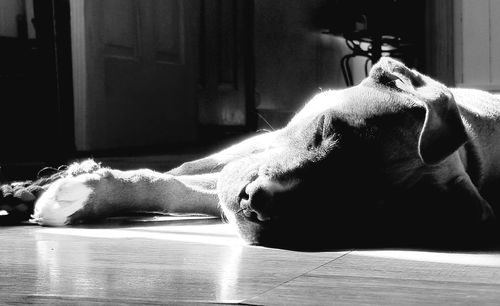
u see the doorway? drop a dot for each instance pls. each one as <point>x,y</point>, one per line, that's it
<point>35,76</point>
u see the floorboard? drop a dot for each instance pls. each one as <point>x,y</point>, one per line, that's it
<point>185,261</point>
<point>395,278</point>
<point>188,261</point>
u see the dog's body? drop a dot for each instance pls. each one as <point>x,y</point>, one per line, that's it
<point>399,152</point>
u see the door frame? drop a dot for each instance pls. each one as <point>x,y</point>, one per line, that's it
<point>52,19</point>
<point>79,79</point>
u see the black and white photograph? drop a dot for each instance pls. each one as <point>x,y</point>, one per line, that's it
<point>250,152</point>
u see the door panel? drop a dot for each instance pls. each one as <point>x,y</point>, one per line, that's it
<point>225,53</point>
<point>120,28</point>
<point>140,73</point>
<point>169,32</point>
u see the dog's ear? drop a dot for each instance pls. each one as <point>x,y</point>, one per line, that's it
<point>443,131</point>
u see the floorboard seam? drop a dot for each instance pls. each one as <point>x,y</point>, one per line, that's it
<point>246,301</point>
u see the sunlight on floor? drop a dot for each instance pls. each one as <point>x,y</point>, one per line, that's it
<point>470,259</point>
<point>216,234</point>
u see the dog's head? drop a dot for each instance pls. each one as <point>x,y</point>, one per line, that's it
<point>343,155</point>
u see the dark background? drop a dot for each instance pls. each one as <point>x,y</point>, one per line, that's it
<point>290,50</point>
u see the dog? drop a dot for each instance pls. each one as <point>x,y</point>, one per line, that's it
<point>400,155</point>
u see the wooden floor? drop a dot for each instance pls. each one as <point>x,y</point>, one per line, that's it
<point>181,261</point>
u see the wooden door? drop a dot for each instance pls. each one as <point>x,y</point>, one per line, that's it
<point>134,73</point>
<point>225,52</point>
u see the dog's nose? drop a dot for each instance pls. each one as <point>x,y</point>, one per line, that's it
<point>259,197</point>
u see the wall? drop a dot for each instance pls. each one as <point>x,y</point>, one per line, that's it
<point>463,45</point>
<point>477,44</point>
<point>439,36</point>
<point>293,60</point>
<point>11,13</point>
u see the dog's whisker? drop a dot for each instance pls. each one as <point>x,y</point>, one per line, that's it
<point>265,121</point>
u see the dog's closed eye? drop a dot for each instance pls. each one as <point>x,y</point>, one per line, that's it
<point>323,131</point>
<point>391,80</point>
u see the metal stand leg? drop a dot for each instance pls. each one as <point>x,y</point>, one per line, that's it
<point>346,69</point>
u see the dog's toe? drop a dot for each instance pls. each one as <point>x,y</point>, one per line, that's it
<point>61,200</point>
<point>487,214</point>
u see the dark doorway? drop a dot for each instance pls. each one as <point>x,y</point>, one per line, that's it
<point>36,83</point>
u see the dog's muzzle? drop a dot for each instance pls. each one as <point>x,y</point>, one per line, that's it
<point>258,198</point>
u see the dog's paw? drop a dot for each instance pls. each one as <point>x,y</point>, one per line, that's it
<point>487,213</point>
<point>62,199</point>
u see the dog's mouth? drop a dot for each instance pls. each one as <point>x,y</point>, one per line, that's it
<point>249,213</point>
<point>244,207</point>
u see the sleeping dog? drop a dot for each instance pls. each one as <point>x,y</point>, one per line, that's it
<point>399,156</point>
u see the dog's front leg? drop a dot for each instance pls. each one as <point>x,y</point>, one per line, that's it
<point>217,161</point>
<point>106,192</point>
<point>467,192</point>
